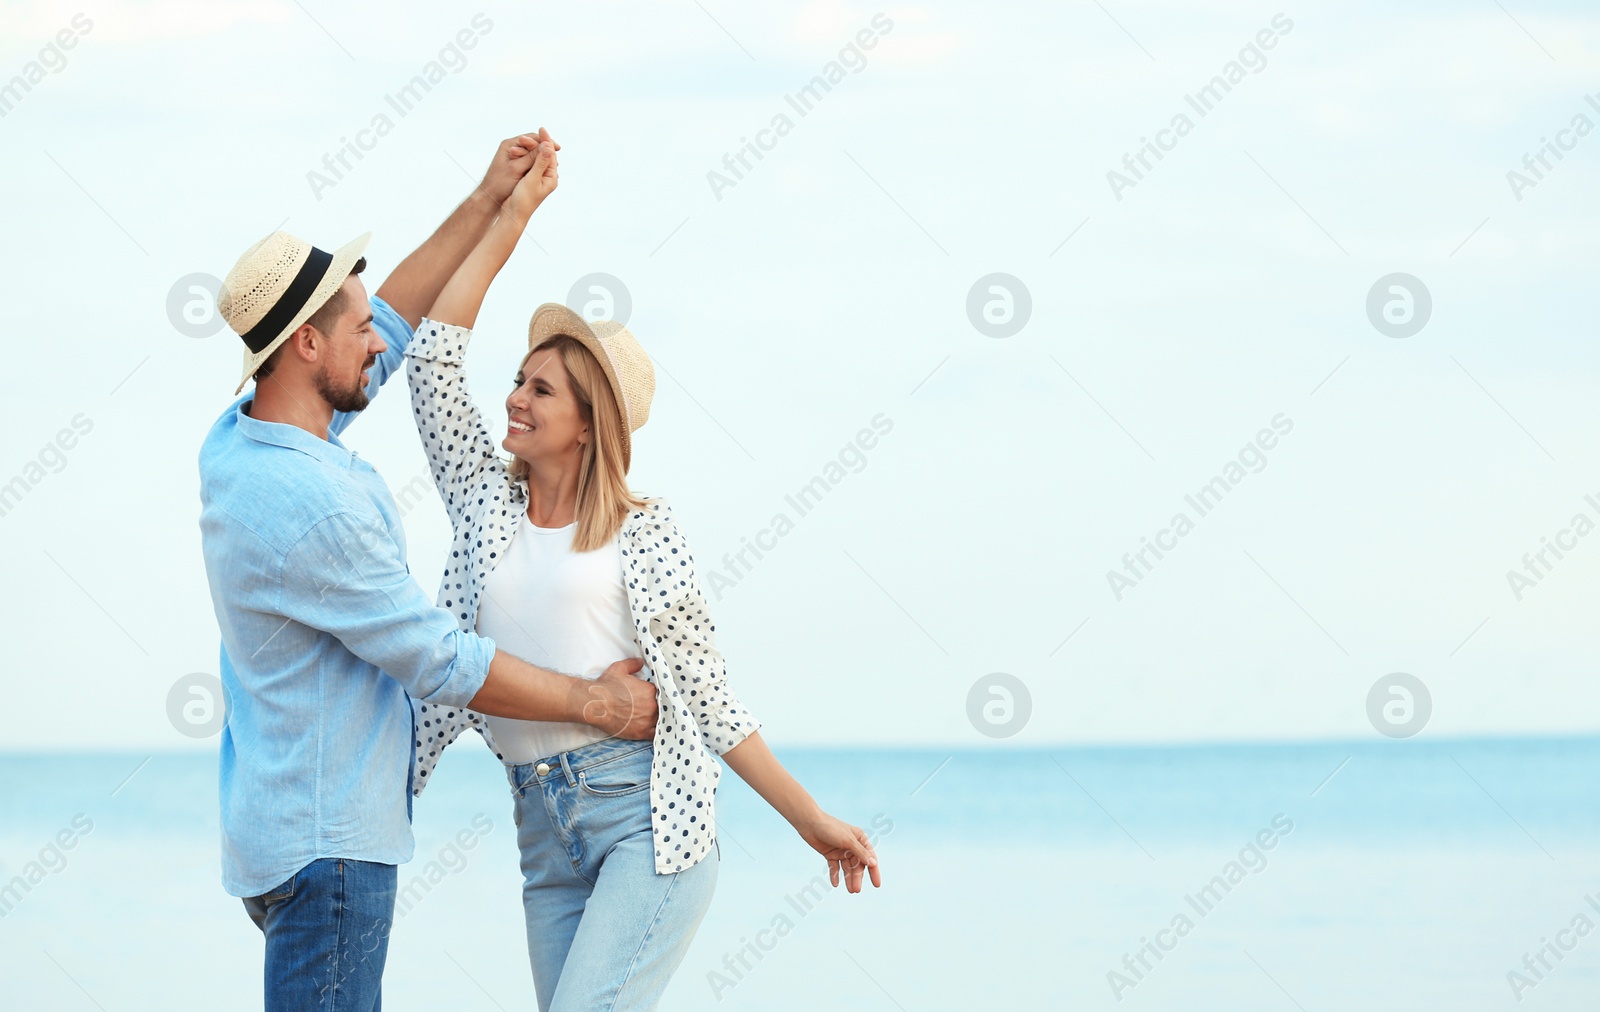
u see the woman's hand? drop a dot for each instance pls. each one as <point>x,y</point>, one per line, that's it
<point>538,184</point>
<point>510,163</point>
<point>846,848</point>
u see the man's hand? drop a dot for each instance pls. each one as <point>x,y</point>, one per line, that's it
<point>622,704</point>
<point>511,162</point>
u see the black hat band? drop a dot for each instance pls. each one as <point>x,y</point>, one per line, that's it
<point>293,300</point>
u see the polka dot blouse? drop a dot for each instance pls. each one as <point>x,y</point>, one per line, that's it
<point>699,717</point>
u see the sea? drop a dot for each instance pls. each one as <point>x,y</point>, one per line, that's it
<point>1416,874</point>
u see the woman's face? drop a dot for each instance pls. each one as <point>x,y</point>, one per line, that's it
<point>546,421</point>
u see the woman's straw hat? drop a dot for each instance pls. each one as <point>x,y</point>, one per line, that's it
<point>276,286</point>
<point>633,378</point>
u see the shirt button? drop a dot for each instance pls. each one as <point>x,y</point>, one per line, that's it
<point>543,769</point>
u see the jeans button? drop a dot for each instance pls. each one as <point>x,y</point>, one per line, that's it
<point>543,769</point>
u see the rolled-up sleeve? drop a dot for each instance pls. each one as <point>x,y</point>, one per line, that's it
<point>701,672</point>
<point>345,577</point>
<point>686,635</point>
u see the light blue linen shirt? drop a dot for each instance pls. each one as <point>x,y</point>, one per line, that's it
<point>324,632</point>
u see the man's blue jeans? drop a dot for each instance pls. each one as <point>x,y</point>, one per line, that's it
<point>327,932</point>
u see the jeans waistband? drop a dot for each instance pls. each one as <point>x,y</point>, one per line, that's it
<point>565,765</point>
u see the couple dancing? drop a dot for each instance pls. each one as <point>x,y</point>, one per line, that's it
<point>570,630</point>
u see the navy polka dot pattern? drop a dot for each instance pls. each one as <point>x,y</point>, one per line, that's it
<point>699,716</point>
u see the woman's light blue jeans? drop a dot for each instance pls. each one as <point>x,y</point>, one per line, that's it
<point>605,932</point>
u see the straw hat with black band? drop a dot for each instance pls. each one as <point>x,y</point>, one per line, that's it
<point>627,367</point>
<point>276,286</point>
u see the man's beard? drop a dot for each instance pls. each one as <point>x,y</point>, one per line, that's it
<point>352,398</point>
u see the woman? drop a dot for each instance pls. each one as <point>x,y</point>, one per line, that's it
<point>560,563</point>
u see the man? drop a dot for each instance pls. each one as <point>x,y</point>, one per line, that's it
<point>324,632</point>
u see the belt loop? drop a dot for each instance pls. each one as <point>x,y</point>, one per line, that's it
<point>566,767</point>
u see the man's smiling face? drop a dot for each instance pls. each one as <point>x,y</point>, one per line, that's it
<point>350,346</point>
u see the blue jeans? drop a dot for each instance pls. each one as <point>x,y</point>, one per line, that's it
<point>327,933</point>
<point>605,932</point>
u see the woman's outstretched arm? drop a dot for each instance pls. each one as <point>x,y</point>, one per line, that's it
<point>845,846</point>
<point>686,634</point>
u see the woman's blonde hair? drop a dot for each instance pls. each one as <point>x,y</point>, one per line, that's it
<point>604,499</point>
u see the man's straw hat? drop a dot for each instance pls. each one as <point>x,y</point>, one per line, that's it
<point>276,286</point>
<point>633,378</point>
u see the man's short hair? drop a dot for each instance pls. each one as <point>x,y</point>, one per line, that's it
<point>323,320</point>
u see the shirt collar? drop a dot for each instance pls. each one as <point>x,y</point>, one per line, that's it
<point>293,437</point>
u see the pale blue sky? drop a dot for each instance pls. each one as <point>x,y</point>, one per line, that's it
<point>829,287</point>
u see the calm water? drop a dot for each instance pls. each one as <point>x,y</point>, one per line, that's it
<point>1405,875</point>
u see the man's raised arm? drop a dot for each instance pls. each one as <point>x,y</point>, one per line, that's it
<point>414,285</point>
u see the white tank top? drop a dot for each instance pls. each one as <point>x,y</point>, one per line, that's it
<point>560,610</point>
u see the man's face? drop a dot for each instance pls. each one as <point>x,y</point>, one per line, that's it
<point>349,350</point>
